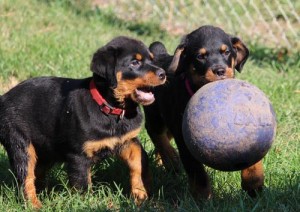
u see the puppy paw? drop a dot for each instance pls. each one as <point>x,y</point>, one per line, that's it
<point>169,158</point>
<point>200,190</point>
<point>36,204</point>
<point>253,191</point>
<point>139,195</point>
<point>201,193</point>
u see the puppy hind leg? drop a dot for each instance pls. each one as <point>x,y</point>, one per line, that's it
<point>23,161</point>
<point>29,186</point>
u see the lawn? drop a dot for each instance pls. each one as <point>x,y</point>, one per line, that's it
<point>43,38</point>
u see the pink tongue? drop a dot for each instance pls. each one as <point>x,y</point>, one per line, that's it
<point>144,97</point>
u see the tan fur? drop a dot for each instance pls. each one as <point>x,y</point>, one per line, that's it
<point>175,61</point>
<point>151,56</point>
<point>132,155</point>
<point>202,51</point>
<point>233,63</point>
<point>229,73</point>
<point>138,56</point>
<point>29,186</point>
<point>92,147</point>
<point>211,77</point>
<point>223,48</point>
<point>165,154</point>
<point>253,177</point>
<point>89,176</point>
<point>126,88</point>
<point>240,51</point>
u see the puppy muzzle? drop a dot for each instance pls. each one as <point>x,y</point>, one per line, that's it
<point>159,72</point>
<point>219,70</point>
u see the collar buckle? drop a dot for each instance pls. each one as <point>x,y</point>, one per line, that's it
<point>104,106</point>
<point>122,114</point>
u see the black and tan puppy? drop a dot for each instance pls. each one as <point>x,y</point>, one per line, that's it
<point>205,55</point>
<point>77,121</point>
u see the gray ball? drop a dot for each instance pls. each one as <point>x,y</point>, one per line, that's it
<point>229,125</point>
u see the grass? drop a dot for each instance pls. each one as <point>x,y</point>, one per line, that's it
<point>39,37</point>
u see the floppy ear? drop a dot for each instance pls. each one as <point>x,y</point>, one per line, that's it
<point>158,48</point>
<point>103,64</point>
<point>242,53</point>
<point>177,55</point>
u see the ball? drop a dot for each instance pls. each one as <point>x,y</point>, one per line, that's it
<point>229,125</point>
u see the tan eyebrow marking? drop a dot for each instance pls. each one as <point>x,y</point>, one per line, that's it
<point>202,51</point>
<point>138,56</point>
<point>223,47</point>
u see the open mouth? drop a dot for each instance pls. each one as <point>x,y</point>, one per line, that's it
<point>143,96</point>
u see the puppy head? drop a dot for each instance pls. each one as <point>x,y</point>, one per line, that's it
<point>127,65</point>
<point>209,54</point>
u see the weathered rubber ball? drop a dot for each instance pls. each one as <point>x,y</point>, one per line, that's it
<point>229,125</point>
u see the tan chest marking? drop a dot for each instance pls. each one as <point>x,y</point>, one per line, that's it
<point>92,147</point>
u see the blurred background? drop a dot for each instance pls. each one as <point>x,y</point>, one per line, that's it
<point>274,23</point>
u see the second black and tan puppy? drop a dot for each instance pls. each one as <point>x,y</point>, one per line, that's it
<point>78,121</point>
<point>205,55</point>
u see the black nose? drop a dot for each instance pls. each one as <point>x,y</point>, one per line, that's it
<point>161,74</point>
<point>219,71</point>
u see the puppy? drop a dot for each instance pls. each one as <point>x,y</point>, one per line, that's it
<point>205,55</point>
<point>79,121</point>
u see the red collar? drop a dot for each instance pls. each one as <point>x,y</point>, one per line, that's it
<point>188,87</point>
<point>104,106</point>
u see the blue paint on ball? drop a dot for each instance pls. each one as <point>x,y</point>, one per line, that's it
<point>229,125</point>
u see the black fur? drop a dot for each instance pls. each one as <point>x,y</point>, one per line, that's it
<point>57,116</point>
<point>206,54</point>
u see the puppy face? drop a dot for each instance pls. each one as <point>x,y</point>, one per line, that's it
<point>127,65</point>
<point>209,54</point>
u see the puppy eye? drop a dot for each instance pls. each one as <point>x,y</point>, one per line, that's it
<point>226,53</point>
<point>201,57</point>
<point>135,63</point>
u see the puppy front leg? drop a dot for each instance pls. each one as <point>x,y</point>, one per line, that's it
<point>79,171</point>
<point>198,179</point>
<point>40,173</point>
<point>253,178</point>
<point>166,154</point>
<point>137,160</point>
